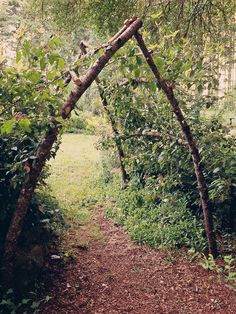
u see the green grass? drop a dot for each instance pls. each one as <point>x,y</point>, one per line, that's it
<point>73,173</point>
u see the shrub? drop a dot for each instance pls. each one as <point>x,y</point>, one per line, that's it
<point>76,125</point>
<point>27,105</point>
<point>40,236</point>
<point>85,123</point>
<point>157,221</point>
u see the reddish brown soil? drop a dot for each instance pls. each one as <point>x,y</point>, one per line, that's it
<point>116,275</point>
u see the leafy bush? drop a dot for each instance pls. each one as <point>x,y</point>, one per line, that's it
<point>86,123</point>
<point>30,95</point>
<point>10,305</point>
<point>159,221</point>
<point>110,165</point>
<point>164,159</point>
<point>14,154</point>
<point>76,125</point>
<point>80,125</point>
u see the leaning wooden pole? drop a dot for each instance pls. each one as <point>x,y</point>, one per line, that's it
<point>202,187</point>
<point>43,152</point>
<point>104,101</point>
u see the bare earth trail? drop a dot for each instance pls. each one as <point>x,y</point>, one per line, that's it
<point>114,275</point>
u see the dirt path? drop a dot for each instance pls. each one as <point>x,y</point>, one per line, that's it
<point>115,275</point>
<point>109,273</point>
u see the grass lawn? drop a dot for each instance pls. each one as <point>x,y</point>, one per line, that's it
<point>73,172</point>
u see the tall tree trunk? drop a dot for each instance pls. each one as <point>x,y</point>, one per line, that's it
<point>104,101</point>
<point>43,152</point>
<point>202,187</point>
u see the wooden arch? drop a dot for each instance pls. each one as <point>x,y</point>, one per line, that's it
<point>131,28</point>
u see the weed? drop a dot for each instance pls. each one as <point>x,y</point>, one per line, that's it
<point>25,305</point>
<point>224,273</point>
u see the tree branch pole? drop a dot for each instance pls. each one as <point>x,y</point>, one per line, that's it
<point>43,152</point>
<point>153,134</point>
<point>104,101</point>
<point>202,187</point>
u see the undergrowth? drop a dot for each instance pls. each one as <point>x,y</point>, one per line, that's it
<point>86,123</point>
<point>223,272</point>
<point>41,235</point>
<point>161,221</point>
<point>25,305</point>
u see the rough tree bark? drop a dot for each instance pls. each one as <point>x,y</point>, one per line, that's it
<point>202,187</point>
<point>44,148</point>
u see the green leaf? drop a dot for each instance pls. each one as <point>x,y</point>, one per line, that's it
<point>160,63</point>
<point>137,72</point>
<point>59,119</point>
<point>35,305</point>
<point>52,75</point>
<point>18,55</point>
<point>200,88</point>
<point>47,298</point>
<point>34,77</point>
<point>57,41</point>
<point>216,170</point>
<point>187,66</point>
<point>26,48</point>
<point>8,126</point>
<point>61,63</point>
<point>42,63</point>
<point>139,60</point>
<point>153,87</point>
<point>25,124</point>
<point>54,57</point>
<point>25,301</point>
<point>54,43</point>
<point>156,15</point>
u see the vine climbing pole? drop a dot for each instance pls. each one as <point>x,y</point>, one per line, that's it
<point>43,152</point>
<point>115,131</point>
<point>202,187</point>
